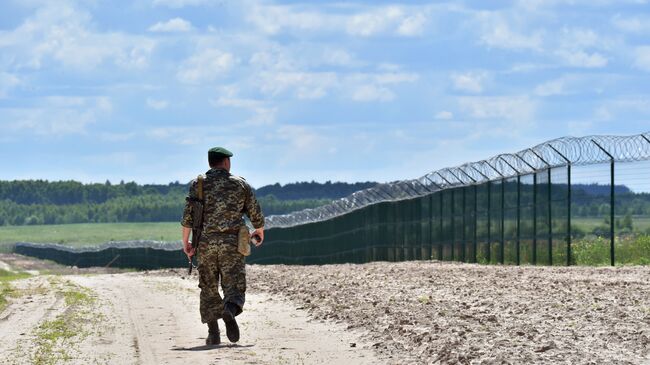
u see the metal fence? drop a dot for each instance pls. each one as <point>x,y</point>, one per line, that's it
<point>143,255</point>
<point>566,201</point>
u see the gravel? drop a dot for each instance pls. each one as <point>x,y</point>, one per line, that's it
<point>444,313</point>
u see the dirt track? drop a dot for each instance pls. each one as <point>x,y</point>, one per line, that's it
<point>153,318</point>
<point>392,313</point>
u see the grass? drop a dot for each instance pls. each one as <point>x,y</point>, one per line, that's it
<point>641,224</point>
<point>6,290</point>
<point>55,338</point>
<point>88,234</point>
<point>629,250</point>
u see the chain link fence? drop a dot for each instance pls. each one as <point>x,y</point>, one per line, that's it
<point>563,202</point>
<point>568,201</point>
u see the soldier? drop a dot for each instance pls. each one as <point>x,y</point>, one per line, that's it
<point>227,198</point>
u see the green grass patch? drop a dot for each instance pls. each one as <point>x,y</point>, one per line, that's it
<point>6,290</point>
<point>628,250</point>
<point>56,338</point>
<point>89,234</point>
<point>76,297</point>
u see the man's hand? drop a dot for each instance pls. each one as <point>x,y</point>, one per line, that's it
<point>259,232</point>
<point>188,249</point>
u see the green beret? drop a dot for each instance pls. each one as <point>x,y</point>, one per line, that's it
<point>219,152</point>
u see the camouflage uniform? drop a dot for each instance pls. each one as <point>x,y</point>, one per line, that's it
<point>227,197</point>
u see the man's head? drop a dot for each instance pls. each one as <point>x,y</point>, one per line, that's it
<point>219,157</point>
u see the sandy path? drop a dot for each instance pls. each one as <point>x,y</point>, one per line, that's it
<point>19,319</point>
<point>154,320</point>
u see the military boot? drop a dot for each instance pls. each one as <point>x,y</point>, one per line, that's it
<point>232,329</point>
<point>213,334</point>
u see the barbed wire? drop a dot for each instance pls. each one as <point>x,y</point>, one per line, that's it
<point>554,153</point>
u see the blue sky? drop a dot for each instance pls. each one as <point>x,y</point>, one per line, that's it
<point>350,91</point>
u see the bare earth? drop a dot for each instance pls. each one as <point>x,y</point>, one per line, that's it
<point>152,318</point>
<point>396,313</point>
<point>430,312</point>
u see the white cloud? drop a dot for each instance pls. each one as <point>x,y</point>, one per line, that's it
<point>520,109</point>
<point>412,25</point>
<point>56,115</point>
<point>304,85</point>
<point>157,104</point>
<point>394,77</point>
<point>7,83</point>
<point>367,93</point>
<point>274,59</point>
<point>642,58</point>
<point>496,32</point>
<point>272,19</point>
<point>470,82</point>
<point>302,141</point>
<point>444,115</point>
<point>172,25</point>
<point>575,48</point>
<point>338,57</point>
<point>553,87</point>
<point>116,137</point>
<point>634,24</point>
<point>60,32</point>
<point>577,128</point>
<point>181,3</point>
<point>583,59</point>
<point>206,66</point>
<point>367,87</point>
<point>374,22</point>
<point>366,22</point>
<point>263,114</point>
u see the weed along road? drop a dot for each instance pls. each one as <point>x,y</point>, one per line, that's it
<point>153,318</point>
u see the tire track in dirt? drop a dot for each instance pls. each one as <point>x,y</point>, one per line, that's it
<point>154,319</point>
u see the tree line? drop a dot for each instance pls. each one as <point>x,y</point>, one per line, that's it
<point>74,192</point>
<point>30,202</point>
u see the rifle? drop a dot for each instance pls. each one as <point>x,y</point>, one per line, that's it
<point>197,219</point>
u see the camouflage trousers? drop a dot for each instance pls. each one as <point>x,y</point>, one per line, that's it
<point>220,263</point>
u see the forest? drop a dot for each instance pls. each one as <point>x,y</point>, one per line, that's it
<point>31,202</point>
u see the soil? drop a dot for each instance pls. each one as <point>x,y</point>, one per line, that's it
<point>152,318</point>
<point>429,312</point>
<point>395,313</point>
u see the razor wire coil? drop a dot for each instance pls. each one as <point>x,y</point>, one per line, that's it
<point>547,155</point>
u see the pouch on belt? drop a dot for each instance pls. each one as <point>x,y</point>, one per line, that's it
<point>244,241</point>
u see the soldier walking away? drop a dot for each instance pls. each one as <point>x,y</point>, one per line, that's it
<point>226,198</point>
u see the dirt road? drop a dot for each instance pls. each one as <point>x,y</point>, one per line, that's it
<point>406,313</point>
<point>140,318</point>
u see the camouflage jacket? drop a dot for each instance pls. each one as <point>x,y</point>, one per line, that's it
<point>227,198</point>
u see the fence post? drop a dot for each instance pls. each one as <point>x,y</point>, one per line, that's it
<point>518,249</point>
<point>476,210</point>
<point>568,238</point>
<point>440,257</point>
<point>489,222</point>
<point>503,240</point>
<point>550,221</point>
<point>534,253</point>
<point>453,223</point>
<point>611,208</point>
<point>611,219</point>
<point>463,245</point>
<point>502,216</point>
<point>475,223</point>
<point>502,250</point>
